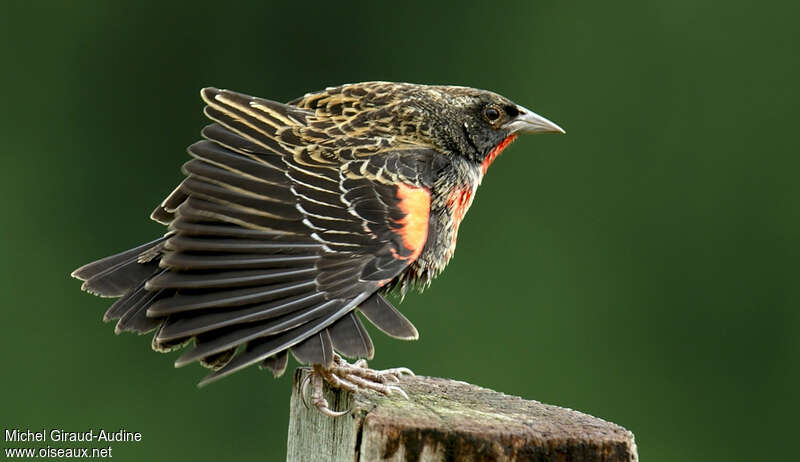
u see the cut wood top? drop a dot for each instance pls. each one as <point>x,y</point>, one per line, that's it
<point>451,420</point>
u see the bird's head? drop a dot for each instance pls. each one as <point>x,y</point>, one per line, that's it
<point>476,124</point>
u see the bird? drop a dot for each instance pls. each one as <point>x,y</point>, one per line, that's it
<point>295,220</point>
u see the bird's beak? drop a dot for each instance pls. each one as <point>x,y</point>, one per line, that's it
<point>529,122</point>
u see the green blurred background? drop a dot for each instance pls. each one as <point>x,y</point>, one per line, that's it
<point>642,268</point>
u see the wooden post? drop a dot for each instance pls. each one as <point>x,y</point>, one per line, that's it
<point>447,420</point>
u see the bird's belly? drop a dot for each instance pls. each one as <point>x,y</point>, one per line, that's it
<point>445,221</point>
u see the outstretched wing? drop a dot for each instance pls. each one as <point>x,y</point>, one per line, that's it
<point>283,226</point>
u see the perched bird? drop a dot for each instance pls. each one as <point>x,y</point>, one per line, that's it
<point>294,217</point>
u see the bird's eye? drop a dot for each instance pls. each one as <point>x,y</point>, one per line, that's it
<point>491,113</point>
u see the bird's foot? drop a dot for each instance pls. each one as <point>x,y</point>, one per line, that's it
<point>351,377</point>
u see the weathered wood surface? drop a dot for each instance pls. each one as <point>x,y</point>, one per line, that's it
<point>447,420</point>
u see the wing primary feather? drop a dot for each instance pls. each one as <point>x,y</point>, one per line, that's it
<point>135,319</point>
<point>331,277</point>
<point>189,227</point>
<point>90,270</point>
<point>255,115</point>
<point>161,216</point>
<point>224,279</point>
<point>196,210</point>
<point>244,126</point>
<point>177,327</point>
<point>117,275</point>
<point>278,204</point>
<point>270,327</point>
<point>239,106</point>
<point>257,351</point>
<point>175,198</point>
<point>165,346</point>
<point>218,360</point>
<point>232,185</point>
<point>165,212</point>
<point>235,261</point>
<point>205,244</point>
<point>122,304</point>
<point>222,298</point>
<point>221,212</point>
<point>228,139</point>
<point>270,170</point>
<point>253,141</point>
<point>318,195</point>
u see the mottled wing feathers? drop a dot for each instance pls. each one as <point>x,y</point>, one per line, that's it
<point>282,227</point>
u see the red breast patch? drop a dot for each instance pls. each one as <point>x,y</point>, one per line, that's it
<point>496,152</point>
<point>459,201</point>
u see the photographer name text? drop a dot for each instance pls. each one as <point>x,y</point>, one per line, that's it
<point>59,435</point>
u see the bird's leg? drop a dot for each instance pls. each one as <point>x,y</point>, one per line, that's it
<point>354,377</point>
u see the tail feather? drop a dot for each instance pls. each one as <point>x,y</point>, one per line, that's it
<point>350,338</point>
<point>316,349</point>
<point>385,317</point>
<point>277,363</point>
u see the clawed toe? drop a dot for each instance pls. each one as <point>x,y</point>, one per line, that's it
<point>354,377</point>
<point>317,395</point>
<point>322,406</point>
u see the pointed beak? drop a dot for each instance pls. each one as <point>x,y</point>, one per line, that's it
<point>529,122</point>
